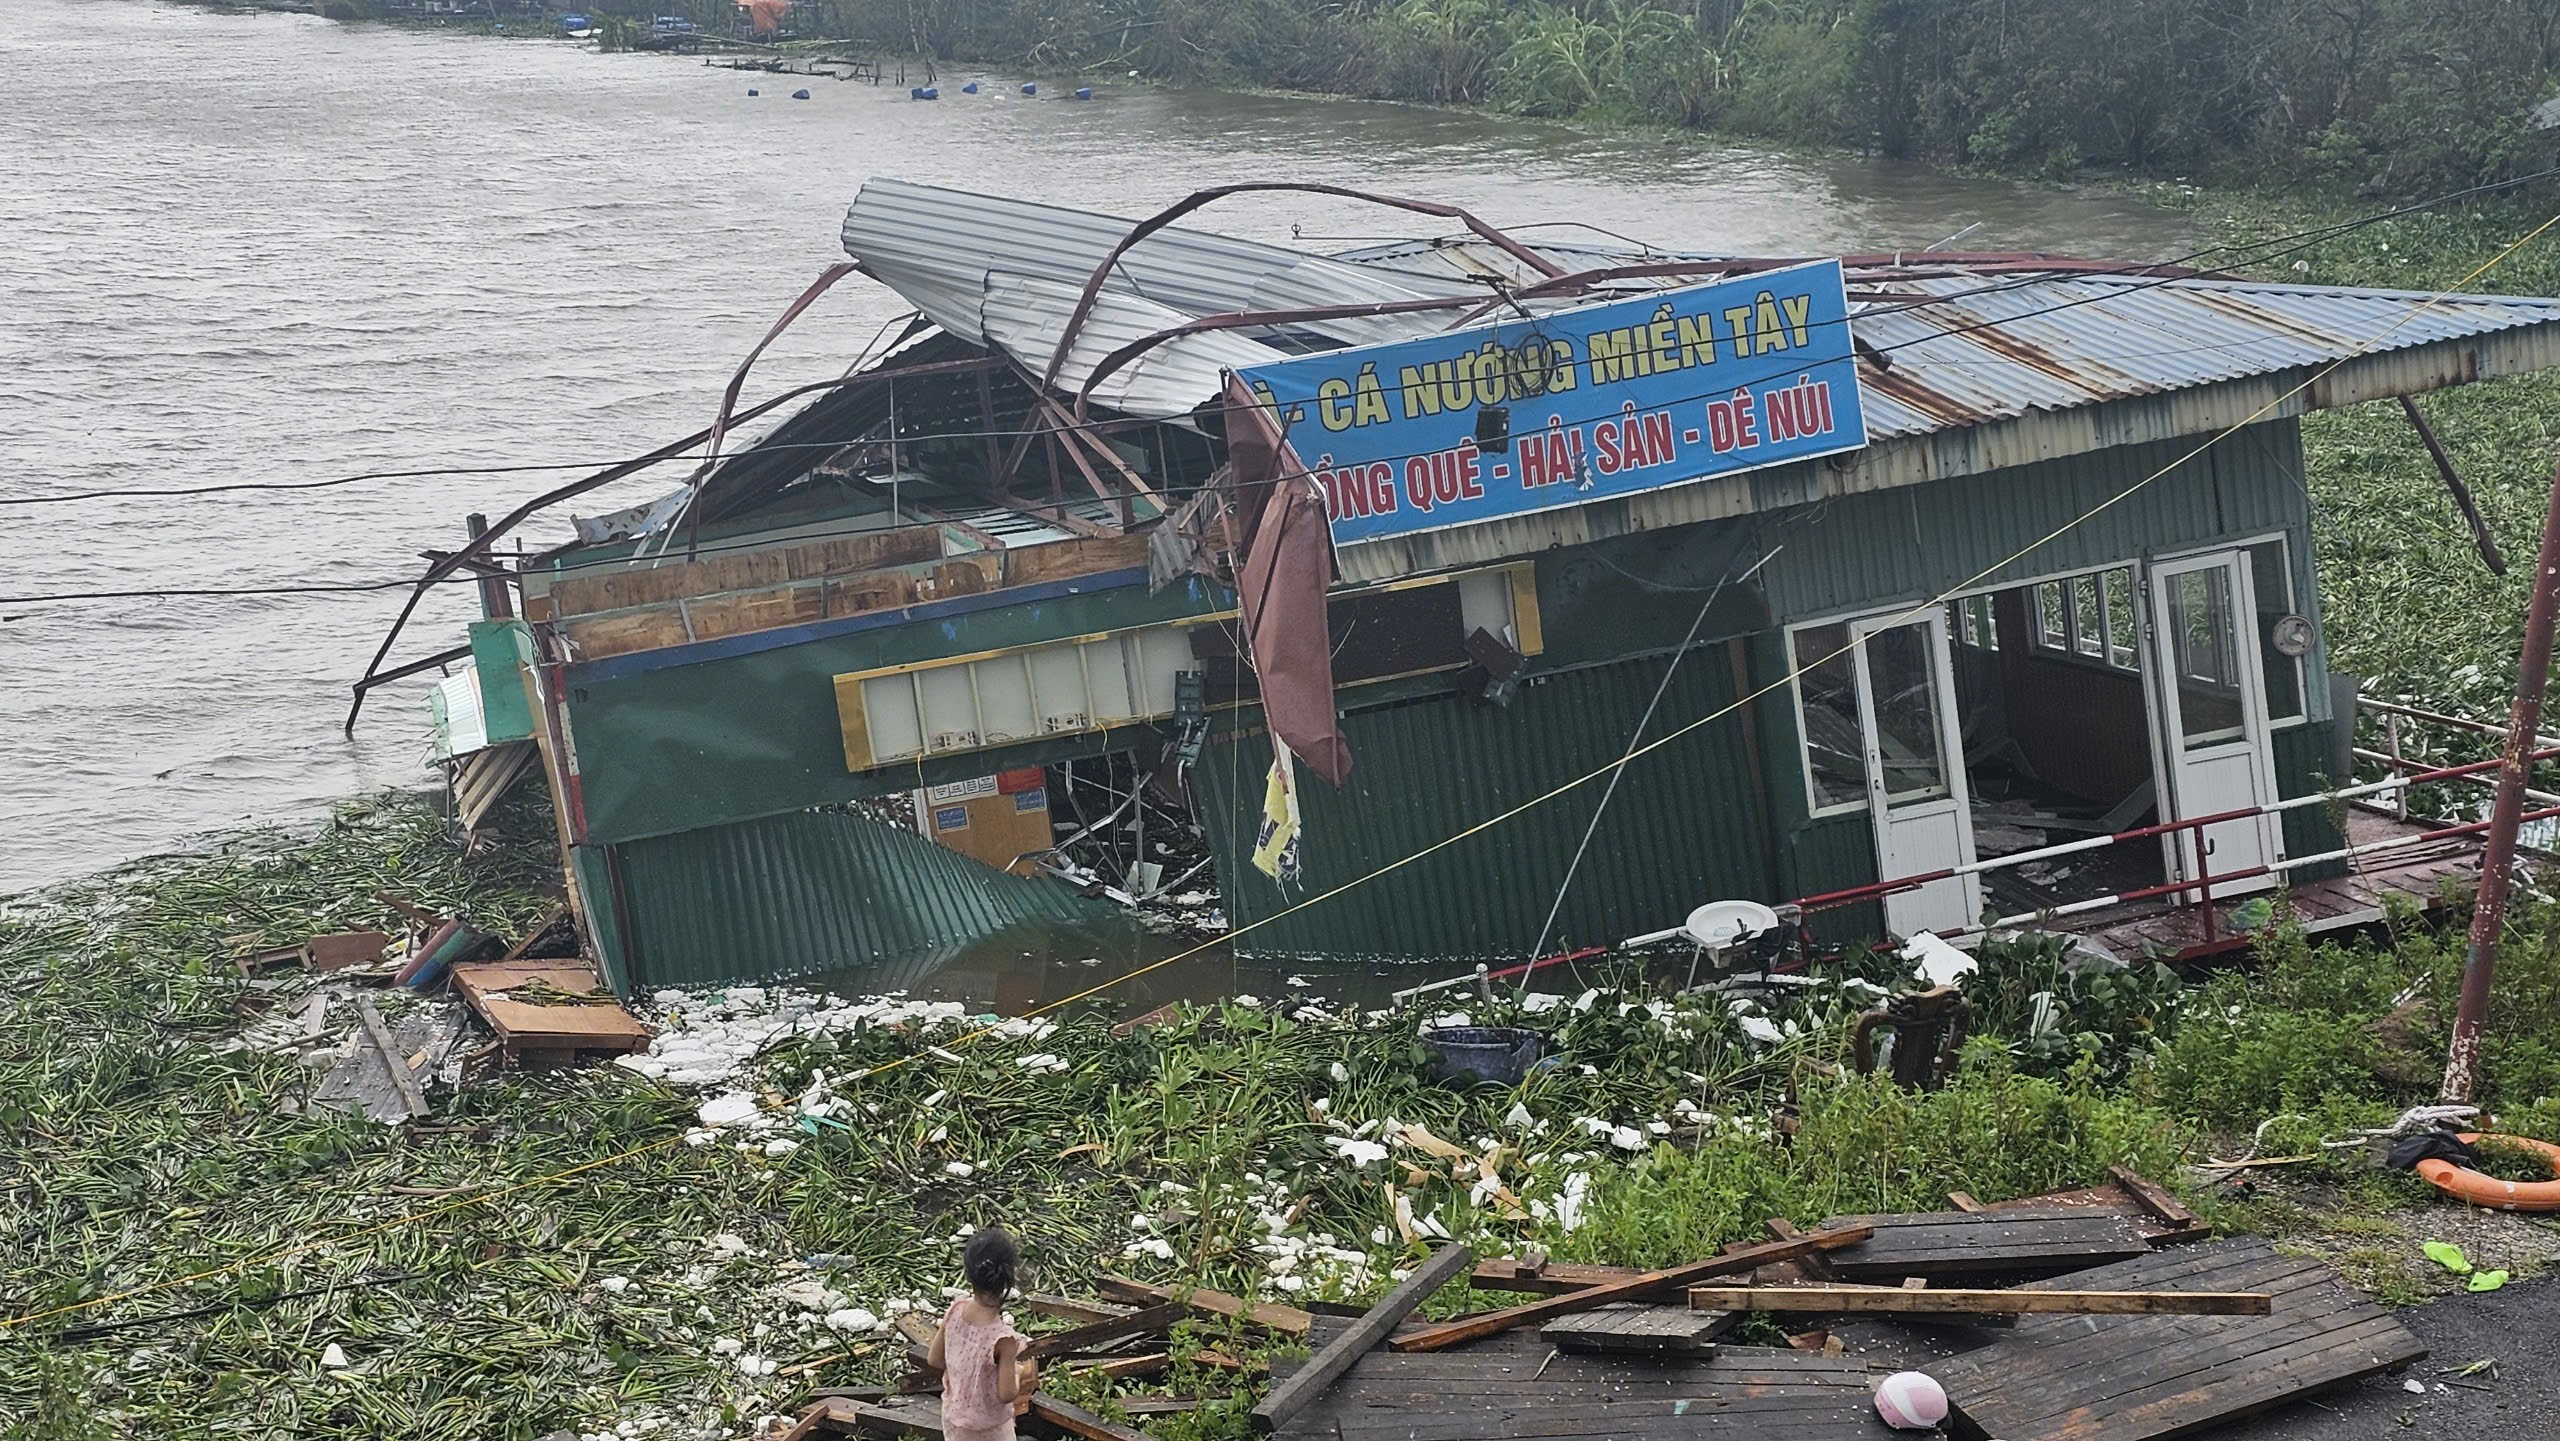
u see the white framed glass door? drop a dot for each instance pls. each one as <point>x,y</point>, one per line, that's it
<point>1915,769</point>
<point>2209,693</point>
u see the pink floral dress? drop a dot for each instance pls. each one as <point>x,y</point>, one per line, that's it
<point>973,1409</point>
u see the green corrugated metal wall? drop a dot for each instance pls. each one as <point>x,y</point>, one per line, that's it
<point>812,891</point>
<point>1681,830</point>
<point>756,733</point>
<point>2303,764</point>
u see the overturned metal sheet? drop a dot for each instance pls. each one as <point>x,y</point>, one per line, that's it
<point>1025,317</point>
<point>817,891</point>
<point>939,248</point>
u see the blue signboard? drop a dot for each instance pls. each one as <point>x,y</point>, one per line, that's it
<point>1574,406</point>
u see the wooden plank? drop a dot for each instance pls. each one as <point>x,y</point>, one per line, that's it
<point>1287,1320</point>
<point>1363,1336</point>
<point>1635,1288</point>
<point>1641,1330</point>
<point>1067,1308</point>
<point>1945,1300</point>
<point>2153,1197</point>
<point>2136,1377</point>
<point>1547,1278</point>
<point>840,1415</point>
<point>1077,1421</point>
<point>401,1075</point>
<point>1094,1335</point>
<point>1122,1368</point>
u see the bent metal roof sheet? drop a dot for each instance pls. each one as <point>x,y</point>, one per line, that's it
<point>1995,360</point>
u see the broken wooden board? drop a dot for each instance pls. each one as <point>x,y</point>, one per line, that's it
<point>362,1079</point>
<point>2126,1378</point>
<point>1339,1354</point>
<point>1287,1320</point>
<point>1958,1301</point>
<point>1097,1335</point>
<point>840,1416</point>
<point>2022,1244</point>
<point>503,992</point>
<point>1640,1330</point>
<point>1644,1285</point>
<point>2146,1205</point>
<point>1518,1386</point>
<point>1077,1421</point>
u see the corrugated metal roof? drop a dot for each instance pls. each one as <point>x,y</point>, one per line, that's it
<point>939,248</point>
<point>794,895</point>
<point>1025,317</point>
<point>1996,360</point>
<point>1978,350</point>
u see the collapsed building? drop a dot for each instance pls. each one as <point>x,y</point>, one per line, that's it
<point>1895,572</point>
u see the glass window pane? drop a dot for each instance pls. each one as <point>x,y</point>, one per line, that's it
<point>2201,638</point>
<point>2051,616</point>
<point>2272,578</point>
<point>1906,697</point>
<point>1987,613</point>
<point>1828,684</point>
<point>2088,628</point>
<point>2122,626</point>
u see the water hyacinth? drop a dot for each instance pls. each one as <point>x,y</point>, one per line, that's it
<point>1286,1151</point>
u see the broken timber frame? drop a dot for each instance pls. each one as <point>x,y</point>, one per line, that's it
<point>1637,1287</point>
<point>1929,1300</point>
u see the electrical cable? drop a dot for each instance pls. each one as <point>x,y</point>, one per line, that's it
<point>1922,608</point>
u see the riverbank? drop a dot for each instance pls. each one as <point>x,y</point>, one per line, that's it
<point>684,1243</point>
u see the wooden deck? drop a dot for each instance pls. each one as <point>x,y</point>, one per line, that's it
<point>1518,1385</point>
<point>2418,873</point>
<point>2018,1244</point>
<point>2126,1378</point>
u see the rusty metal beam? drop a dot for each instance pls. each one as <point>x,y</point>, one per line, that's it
<point>1238,319</point>
<point>2462,500</point>
<point>2506,811</point>
<point>480,544</point>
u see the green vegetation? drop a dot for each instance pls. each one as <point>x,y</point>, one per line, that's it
<point>1298,1154</point>
<point>2397,95</point>
<point>1287,1149</point>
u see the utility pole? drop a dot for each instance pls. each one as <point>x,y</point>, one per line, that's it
<point>2497,867</point>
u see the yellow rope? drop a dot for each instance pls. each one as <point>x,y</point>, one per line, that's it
<point>1920,609</point>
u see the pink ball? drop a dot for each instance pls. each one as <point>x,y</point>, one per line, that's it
<point>1911,1401</point>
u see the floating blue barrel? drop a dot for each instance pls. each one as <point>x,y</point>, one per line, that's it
<point>1029,88</point>
<point>799,94</point>
<point>751,90</point>
<point>969,89</point>
<point>1084,92</point>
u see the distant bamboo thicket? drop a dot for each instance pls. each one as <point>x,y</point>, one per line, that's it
<point>2389,95</point>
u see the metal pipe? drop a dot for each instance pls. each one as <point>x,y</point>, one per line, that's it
<point>1876,889</point>
<point>2547,798</point>
<point>2524,718</point>
<point>2100,903</point>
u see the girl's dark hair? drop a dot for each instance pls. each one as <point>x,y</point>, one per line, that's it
<point>989,1262</point>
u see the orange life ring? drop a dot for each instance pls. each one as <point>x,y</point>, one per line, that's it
<point>2489,1191</point>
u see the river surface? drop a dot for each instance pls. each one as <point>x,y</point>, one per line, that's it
<point>264,247</point>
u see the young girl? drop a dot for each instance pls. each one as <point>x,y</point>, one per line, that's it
<point>977,1350</point>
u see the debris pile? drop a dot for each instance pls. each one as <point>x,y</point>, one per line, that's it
<point>2184,1339</point>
